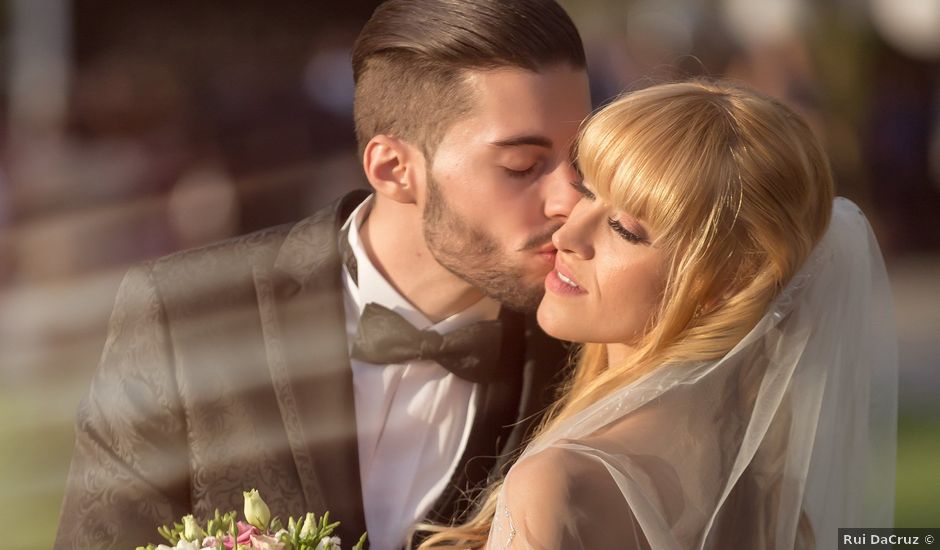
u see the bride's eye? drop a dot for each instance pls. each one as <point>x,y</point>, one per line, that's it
<point>625,233</point>
<point>585,192</point>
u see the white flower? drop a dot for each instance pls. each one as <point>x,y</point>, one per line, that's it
<point>266,542</point>
<point>329,543</point>
<point>185,545</point>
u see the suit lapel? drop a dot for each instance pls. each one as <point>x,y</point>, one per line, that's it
<point>305,335</point>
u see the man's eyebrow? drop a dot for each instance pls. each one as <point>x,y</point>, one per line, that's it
<point>538,141</point>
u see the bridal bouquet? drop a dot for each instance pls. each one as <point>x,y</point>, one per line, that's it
<point>257,532</point>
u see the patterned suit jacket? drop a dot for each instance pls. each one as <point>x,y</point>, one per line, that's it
<point>226,369</point>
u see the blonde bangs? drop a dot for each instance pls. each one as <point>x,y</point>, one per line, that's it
<point>647,155</point>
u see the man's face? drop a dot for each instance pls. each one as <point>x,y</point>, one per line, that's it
<point>500,181</point>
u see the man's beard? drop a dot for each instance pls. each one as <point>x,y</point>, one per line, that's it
<point>475,256</point>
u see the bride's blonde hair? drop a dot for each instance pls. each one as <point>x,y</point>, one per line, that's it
<point>737,191</point>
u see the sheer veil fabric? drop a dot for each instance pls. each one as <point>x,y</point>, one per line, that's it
<point>776,445</point>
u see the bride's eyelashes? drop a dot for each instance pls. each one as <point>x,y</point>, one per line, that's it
<point>618,227</point>
<point>625,233</point>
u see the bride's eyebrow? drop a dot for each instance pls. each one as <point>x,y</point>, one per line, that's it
<point>536,140</point>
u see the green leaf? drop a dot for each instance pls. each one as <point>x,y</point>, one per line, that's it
<point>171,535</point>
<point>328,529</point>
<point>275,525</point>
<point>361,544</point>
<point>295,534</point>
<point>215,524</point>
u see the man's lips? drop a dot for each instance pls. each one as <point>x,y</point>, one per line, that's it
<point>547,253</point>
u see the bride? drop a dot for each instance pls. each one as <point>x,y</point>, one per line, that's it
<point>736,388</point>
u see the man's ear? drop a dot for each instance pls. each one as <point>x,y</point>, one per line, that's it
<point>393,167</point>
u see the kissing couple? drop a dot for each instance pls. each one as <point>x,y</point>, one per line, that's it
<point>397,357</point>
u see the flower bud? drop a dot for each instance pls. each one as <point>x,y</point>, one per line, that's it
<point>256,511</point>
<point>191,529</point>
<point>310,525</point>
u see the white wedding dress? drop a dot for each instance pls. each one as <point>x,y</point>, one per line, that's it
<point>788,437</point>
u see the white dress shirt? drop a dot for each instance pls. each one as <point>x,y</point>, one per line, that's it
<point>413,419</point>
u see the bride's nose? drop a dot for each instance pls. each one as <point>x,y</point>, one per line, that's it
<point>576,235</point>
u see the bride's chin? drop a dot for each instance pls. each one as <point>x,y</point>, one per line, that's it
<point>553,322</point>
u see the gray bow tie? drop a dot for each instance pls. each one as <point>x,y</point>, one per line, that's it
<point>471,352</point>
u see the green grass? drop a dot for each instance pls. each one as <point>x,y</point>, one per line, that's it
<point>918,473</point>
<point>35,448</point>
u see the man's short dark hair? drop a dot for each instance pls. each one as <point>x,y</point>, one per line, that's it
<point>411,58</point>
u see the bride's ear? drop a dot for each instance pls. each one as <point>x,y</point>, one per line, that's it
<point>393,167</point>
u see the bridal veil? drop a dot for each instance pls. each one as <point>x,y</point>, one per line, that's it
<point>776,445</point>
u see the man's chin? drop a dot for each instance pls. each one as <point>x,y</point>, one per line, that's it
<point>521,298</point>
<point>518,286</point>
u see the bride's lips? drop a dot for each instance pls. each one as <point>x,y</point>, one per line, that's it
<point>561,281</point>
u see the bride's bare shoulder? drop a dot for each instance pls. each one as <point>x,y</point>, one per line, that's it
<point>556,475</point>
<point>544,473</point>
<point>555,499</point>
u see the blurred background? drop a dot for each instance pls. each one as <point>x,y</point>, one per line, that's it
<point>131,129</point>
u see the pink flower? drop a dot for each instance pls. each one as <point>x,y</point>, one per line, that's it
<point>244,536</point>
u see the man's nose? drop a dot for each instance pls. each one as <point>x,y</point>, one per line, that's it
<point>559,195</point>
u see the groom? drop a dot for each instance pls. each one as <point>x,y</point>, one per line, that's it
<point>371,359</point>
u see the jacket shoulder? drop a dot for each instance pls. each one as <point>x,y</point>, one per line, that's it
<point>238,257</point>
<point>236,253</point>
